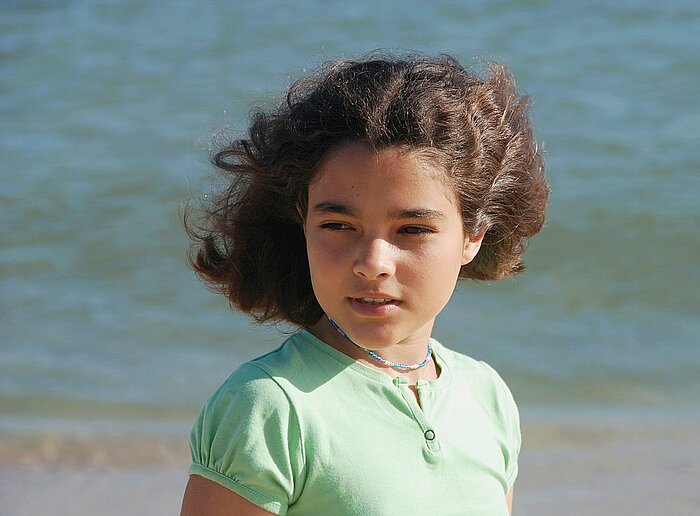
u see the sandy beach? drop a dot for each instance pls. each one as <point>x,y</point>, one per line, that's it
<point>573,470</point>
<point>600,471</point>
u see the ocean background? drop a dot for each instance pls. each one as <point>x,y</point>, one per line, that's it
<point>108,111</point>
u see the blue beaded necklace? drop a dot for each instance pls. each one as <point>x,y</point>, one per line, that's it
<point>384,361</point>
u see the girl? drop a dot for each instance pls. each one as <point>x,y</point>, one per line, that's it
<point>351,212</point>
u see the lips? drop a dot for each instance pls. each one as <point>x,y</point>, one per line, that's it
<point>373,306</point>
<point>373,301</point>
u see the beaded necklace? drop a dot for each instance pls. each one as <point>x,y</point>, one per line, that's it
<point>384,361</point>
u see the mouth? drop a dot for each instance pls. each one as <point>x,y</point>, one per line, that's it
<point>373,301</point>
<point>374,306</point>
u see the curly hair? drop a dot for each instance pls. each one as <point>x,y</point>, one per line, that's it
<point>249,244</point>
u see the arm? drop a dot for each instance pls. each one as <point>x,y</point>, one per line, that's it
<point>509,501</point>
<point>206,498</point>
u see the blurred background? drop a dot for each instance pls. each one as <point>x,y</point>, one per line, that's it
<point>109,345</point>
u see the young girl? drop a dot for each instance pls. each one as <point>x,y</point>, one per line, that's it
<point>351,212</point>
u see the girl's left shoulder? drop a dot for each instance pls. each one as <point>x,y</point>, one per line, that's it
<point>482,380</point>
<point>474,380</point>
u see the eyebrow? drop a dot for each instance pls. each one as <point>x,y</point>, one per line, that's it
<point>417,213</point>
<point>342,209</point>
<point>334,207</point>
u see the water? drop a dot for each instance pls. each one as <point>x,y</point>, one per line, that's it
<point>107,111</point>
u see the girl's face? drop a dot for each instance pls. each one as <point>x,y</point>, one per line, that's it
<point>385,243</point>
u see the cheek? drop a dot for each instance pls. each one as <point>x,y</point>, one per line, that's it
<point>326,251</point>
<point>323,266</point>
<point>315,260</point>
<point>438,269</point>
<point>440,279</point>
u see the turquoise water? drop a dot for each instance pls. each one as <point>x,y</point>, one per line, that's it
<point>107,110</point>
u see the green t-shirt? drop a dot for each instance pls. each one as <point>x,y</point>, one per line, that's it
<point>306,429</point>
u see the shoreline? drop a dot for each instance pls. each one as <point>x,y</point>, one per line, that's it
<point>588,469</point>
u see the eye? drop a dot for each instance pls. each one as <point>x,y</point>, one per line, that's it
<point>415,230</point>
<point>334,226</point>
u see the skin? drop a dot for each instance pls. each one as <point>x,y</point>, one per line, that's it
<point>206,498</point>
<point>383,225</point>
<point>509,501</point>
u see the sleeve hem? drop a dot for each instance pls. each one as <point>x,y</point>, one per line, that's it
<point>238,488</point>
<point>511,478</point>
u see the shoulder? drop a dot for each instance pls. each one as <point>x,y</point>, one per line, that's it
<point>479,374</point>
<point>247,437</point>
<point>259,373</point>
<point>244,404</point>
<point>248,387</point>
<point>269,383</point>
<point>483,383</point>
<point>256,384</point>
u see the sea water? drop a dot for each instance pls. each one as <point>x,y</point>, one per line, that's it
<point>108,111</point>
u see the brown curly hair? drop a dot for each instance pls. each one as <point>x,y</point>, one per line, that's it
<point>250,244</point>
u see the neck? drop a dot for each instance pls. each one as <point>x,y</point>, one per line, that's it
<point>335,337</point>
<point>401,366</point>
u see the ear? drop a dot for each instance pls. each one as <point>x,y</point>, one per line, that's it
<point>472,245</point>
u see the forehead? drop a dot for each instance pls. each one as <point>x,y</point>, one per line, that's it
<point>356,165</point>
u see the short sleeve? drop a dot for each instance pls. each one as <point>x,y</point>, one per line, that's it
<point>506,418</point>
<point>246,438</point>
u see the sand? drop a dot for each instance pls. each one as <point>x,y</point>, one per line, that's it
<point>570,470</point>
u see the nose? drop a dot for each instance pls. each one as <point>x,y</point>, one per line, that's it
<point>374,259</point>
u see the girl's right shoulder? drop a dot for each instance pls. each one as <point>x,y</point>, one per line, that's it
<point>261,381</point>
<point>247,439</point>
